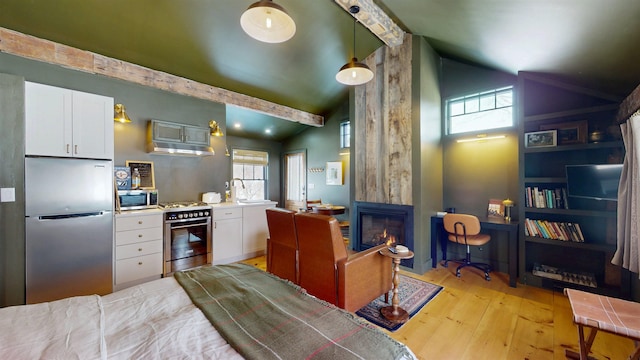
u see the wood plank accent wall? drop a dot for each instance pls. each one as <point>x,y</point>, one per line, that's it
<point>383,128</point>
<point>15,43</point>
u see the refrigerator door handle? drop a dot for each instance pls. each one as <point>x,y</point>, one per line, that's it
<point>70,216</point>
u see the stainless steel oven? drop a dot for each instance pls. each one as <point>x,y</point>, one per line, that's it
<point>187,237</point>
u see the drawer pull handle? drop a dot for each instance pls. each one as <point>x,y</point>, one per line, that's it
<point>139,249</point>
<point>139,235</point>
<point>140,263</point>
<point>140,222</point>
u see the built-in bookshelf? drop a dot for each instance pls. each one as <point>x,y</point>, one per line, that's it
<point>566,241</point>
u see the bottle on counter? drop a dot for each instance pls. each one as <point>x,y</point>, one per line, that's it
<point>135,179</point>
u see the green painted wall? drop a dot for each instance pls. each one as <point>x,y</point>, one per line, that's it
<point>475,172</point>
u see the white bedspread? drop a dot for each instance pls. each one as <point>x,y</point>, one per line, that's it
<point>151,321</point>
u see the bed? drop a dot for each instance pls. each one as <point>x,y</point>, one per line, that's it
<point>233,311</point>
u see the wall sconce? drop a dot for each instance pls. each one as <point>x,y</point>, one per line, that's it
<point>215,129</point>
<point>481,138</point>
<point>120,114</point>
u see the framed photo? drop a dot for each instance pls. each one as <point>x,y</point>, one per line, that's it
<point>574,132</point>
<point>495,209</point>
<point>541,139</point>
<point>145,168</point>
<point>334,173</point>
<point>123,177</point>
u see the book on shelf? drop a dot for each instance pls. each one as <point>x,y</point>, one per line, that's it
<point>555,198</point>
<point>553,230</point>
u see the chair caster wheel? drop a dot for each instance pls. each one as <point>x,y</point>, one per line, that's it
<point>487,277</point>
<point>458,274</point>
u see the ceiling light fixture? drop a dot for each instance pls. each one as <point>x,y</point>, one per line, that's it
<point>120,114</point>
<point>268,22</point>
<point>354,72</point>
<point>215,128</point>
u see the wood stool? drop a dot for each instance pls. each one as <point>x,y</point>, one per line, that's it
<point>603,313</point>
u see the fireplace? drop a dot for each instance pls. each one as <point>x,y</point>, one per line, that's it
<point>377,223</point>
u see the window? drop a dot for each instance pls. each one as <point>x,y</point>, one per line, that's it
<point>251,166</point>
<point>481,111</point>
<point>345,134</point>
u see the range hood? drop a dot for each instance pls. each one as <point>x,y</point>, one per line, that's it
<point>167,138</point>
<point>169,148</point>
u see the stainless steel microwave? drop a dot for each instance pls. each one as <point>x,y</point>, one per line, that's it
<point>137,199</point>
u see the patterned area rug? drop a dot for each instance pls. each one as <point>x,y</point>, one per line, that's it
<point>414,294</point>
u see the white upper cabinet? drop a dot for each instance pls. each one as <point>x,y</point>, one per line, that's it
<point>67,123</point>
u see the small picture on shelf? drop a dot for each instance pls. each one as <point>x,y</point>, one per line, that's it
<point>495,209</point>
<point>123,177</point>
<point>545,138</point>
<point>574,132</point>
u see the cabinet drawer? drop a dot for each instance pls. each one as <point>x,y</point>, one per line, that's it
<point>138,222</point>
<point>138,249</point>
<point>136,236</point>
<point>138,268</point>
<point>231,213</point>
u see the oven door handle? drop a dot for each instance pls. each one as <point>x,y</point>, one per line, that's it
<point>187,226</point>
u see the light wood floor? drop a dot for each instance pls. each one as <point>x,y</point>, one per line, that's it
<point>477,319</point>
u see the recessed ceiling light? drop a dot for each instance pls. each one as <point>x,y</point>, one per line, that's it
<point>237,125</point>
<point>267,131</point>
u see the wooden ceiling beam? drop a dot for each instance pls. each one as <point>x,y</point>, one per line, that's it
<point>27,46</point>
<point>376,20</point>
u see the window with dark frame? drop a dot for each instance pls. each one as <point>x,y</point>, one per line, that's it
<point>485,110</point>
<point>345,134</point>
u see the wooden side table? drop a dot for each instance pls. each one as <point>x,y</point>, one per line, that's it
<point>394,312</point>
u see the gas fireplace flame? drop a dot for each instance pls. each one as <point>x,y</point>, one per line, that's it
<point>384,238</point>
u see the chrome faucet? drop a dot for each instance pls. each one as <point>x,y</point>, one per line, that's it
<point>233,189</point>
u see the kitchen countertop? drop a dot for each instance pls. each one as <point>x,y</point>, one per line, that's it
<point>124,213</point>
<point>243,204</point>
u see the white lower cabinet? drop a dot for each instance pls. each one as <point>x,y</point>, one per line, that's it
<point>255,230</point>
<point>138,248</point>
<point>239,232</point>
<point>227,235</point>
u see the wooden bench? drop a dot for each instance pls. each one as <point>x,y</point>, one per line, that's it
<point>602,313</point>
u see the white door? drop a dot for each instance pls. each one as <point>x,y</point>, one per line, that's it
<point>295,185</point>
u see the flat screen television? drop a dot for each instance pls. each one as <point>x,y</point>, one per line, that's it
<point>598,182</point>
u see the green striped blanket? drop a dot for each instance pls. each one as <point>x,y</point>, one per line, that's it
<point>265,317</point>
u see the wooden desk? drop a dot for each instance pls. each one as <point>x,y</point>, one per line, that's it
<point>511,228</point>
<point>328,210</point>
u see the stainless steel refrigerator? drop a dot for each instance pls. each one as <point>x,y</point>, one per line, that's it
<point>69,227</point>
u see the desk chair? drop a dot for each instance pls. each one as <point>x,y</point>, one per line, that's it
<point>465,229</point>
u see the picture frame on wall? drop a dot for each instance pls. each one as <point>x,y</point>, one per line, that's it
<point>546,138</point>
<point>145,168</point>
<point>334,173</point>
<point>573,132</point>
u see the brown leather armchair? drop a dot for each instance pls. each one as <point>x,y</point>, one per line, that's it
<point>329,273</point>
<point>282,244</point>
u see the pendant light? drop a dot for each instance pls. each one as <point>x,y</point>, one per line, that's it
<point>354,72</point>
<point>268,22</point>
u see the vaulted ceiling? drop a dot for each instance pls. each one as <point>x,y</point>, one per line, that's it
<point>589,42</point>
